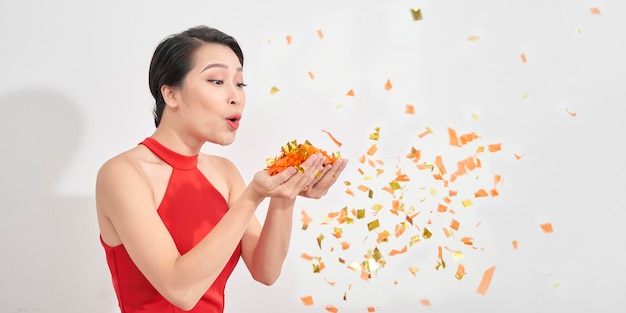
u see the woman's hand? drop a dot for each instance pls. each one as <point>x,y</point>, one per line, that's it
<point>319,186</point>
<point>289,183</point>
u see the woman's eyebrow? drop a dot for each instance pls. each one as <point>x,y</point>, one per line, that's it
<point>220,65</point>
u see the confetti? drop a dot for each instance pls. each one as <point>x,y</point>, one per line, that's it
<point>494,147</point>
<point>460,272</point>
<point>546,228</point>
<point>350,93</point>
<point>515,244</point>
<point>523,57</point>
<point>372,150</point>
<point>294,154</point>
<point>409,109</point>
<point>274,90</point>
<point>375,135</point>
<point>473,38</point>
<point>517,156</point>
<point>331,308</point>
<point>307,300</point>
<point>288,38</point>
<point>333,138</point>
<point>311,75</point>
<point>388,85</point>
<point>467,202</point>
<point>572,114</point>
<point>373,225</point>
<point>417,14</point>
<point>485,281</point>
<point>454,140</point>
<point>475,117</point>
<point>595,11</point>
<point>425,302</point>
<point>320,34</point>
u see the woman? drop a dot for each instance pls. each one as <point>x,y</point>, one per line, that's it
<point>174,221</point>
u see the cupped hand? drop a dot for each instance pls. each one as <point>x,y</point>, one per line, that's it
<point>290,182</point>
<point>326,178</point>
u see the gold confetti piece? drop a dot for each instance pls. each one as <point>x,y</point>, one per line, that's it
<point>467,202</point>
<point>473,38</point>
<point>485,281</point>
<point>546,228</point>
<point>274,90</point>
<point>595,11</point>
<point>377,207</point>
<point>409,109</point>
<point>457,255</point>
<point>307,300</point>
<point>460,272</point>
<point>319,240</point>
<point>425,302</point>
<point>417,14</point>
<point>370,193</point>
<point>426,234</point>
<point>320,34</point>
<point>376,134</point>
<point>433,192</point>
<point>525,96</point>
<point>523,57</point>
<point>475,117</point>
<point>556,285</point>
<point>350,93</point>
<point>360,213</point>
<point>388,85</point>
<point>373,225</point>
<point>414,239</point>
<point>395,185</point>
<point>311,75</point>
<point>413,270</point>
<point>383,236</point>
<point>288,38</point>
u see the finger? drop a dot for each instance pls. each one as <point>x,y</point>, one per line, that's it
<point>333,173</point>
<point>312,167</point>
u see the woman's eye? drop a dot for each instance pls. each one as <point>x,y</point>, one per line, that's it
<point>241,85</point>
<point>216,81</point>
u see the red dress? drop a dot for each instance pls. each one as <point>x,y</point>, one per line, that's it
<point>190,208</point>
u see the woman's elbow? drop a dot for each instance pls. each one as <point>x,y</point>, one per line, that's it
<point>267,279</point>
<point>182,299</point>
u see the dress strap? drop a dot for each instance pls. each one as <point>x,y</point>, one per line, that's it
<point>174,159</point>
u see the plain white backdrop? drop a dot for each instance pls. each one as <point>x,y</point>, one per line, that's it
<point>73,93</point>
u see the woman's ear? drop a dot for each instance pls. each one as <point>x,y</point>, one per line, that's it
<point>170,95</point>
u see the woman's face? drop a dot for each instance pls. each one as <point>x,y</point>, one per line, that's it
<point>212,98</point>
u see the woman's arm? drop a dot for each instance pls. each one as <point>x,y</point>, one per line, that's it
<point>265,248</point>
<point>124,197</point>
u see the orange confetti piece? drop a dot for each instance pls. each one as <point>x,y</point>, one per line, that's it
<point>331,308</point>
<point>481,193</point>
<point>288,38</point>
<point>306,219</point>
<point>467,241</point>
<point>388,85</point>
<point>523,57</point>
<point>494,147</point>
<point>320,34</point>
<point>515,244</point>
<point>439,164</point>
<point>460,272</point>
<point>465,138</point>
<point>395,252</point>
<point>410,109</point>
<point>572,114</point>
<point>517,156</point>
<point>485,281</point>
<point>307,300</point>
<point>595,11</point>
<point>454,140</point>
<point>350,93</point>
<point>454,224</point>
<point>442,208</point>
<point>371,309</point>
<point>311,75</point>
<point>345,245</point>
<point>372,150</point>
<point>333,138</point>
<point>425,302</point>
<point>363,188</point>
<point>306,257</point>
<point>547,227</point>
<point>414,155</point>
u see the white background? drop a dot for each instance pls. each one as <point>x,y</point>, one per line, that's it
<point>73,93</point>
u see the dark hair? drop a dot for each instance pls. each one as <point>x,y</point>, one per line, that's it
<point>173,59</point>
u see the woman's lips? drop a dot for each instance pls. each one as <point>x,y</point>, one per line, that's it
<point>233,122</point>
